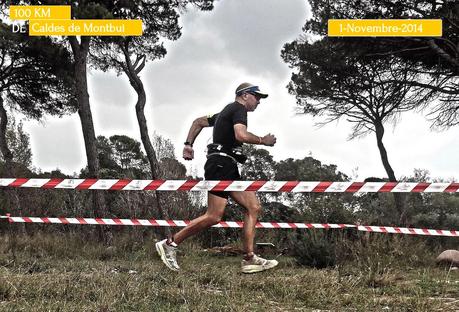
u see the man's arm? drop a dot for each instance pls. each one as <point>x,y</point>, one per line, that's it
<point>244,136</point>
<point>195,129</point>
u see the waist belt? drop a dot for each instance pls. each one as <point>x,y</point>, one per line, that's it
<point>234,153</point>
<point>222,154</point>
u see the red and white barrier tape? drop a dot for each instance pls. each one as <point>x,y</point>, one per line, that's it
<point>173,223</point>
<point>259,186</point>
<point>409,231</point>
<point>232,224</point>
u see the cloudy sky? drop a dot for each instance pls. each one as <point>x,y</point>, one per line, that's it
<point>240,40</point>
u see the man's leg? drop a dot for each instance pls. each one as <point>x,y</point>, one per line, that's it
<point>250,202</point>
<point>213,215</point>
<point>251,262</point>
<point>167,248</point>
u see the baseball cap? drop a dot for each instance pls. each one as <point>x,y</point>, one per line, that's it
<point>250,88</point>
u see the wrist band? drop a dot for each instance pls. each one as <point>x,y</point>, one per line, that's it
<point>188,143</point>
<point>261,142</point>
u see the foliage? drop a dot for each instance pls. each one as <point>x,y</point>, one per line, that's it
<point>34,76</point>
<point>317,207</point>
<point>121,157</point>
<point>424,210</point>
<point>314,249</point>
<point>121,154</point>
<point>437,58</point>
<point>336,78</point>
<point>259,164</point>
<point>258,167</point>
<point>338,83</point>
<point>127,153</point>
<point>307,169</point>
<point>19,144</point>
<point>164,147</point>
<point>160,21</point>
<point>34,81</point>
<point>429,209</point>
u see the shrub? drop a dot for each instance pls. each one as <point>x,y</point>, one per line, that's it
<point>314,249</point>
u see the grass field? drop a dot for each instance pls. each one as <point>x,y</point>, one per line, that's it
<point>44,273</point>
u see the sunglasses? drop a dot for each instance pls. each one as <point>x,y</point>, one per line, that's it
<point>255,95</point>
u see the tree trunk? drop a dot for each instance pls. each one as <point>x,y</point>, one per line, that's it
<point>137,84</point>
<point>80,54</point>
<point>7,155</point>
<point>399,199</point>
<point>13,204</point>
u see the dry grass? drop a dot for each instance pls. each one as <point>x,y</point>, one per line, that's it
<point>44,273</point>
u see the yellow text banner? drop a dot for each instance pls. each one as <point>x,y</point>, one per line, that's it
<point>108,27</point>
<point>385,28</point>
<point>39,12</point>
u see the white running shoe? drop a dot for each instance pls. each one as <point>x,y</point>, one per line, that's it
<point>257,264</point>
<point>167,254</point>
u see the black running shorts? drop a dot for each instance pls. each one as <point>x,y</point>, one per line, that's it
<point>219,167</point>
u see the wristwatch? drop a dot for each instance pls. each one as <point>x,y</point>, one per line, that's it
<point>188,143</point>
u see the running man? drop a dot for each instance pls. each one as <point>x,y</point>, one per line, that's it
<point>229,133</point>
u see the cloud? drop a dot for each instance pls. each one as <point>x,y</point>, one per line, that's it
<point>57,143</point>
<point>238,39</point>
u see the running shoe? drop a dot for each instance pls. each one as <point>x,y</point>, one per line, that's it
<point>167,254</point>
<point>257,264</point>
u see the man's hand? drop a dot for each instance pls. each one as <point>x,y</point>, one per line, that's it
<point>269,139</point>
<point>188,152</point>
